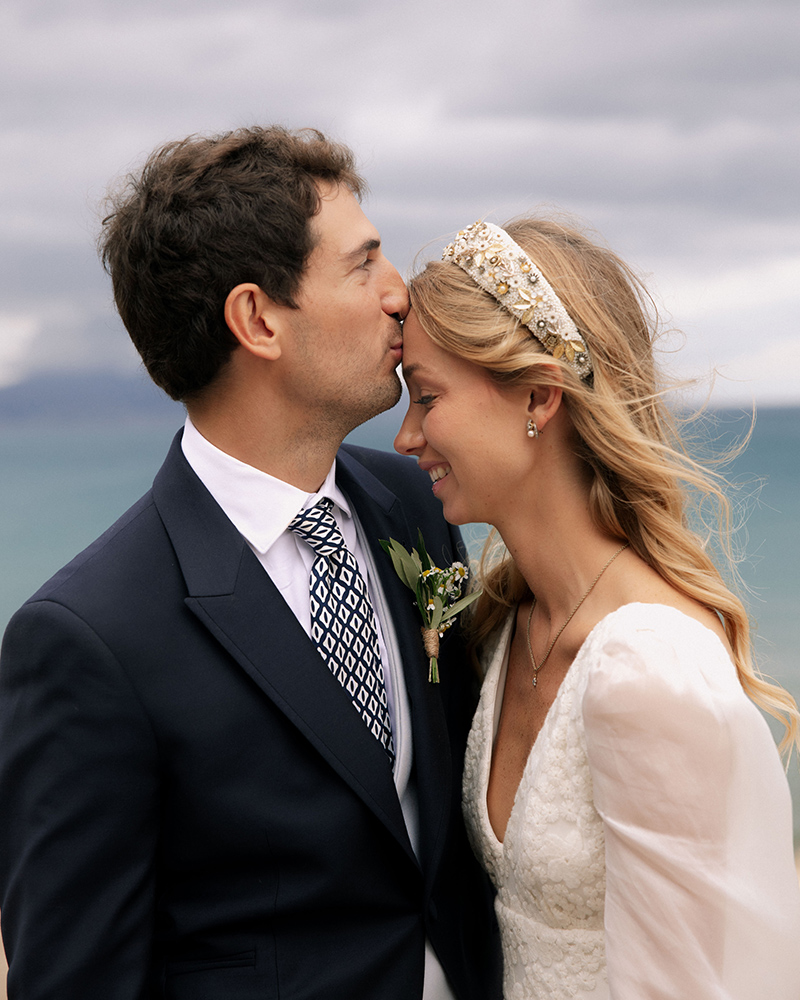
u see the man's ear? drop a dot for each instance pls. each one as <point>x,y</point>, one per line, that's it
<point>255,320</point>
<point>544,402</point>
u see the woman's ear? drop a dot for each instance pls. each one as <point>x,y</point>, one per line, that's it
<point>544,402</point>
<point>255,320</point>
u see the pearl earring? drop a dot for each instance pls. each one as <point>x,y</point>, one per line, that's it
<point>533,430</point>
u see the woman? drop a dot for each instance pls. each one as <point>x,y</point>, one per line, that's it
<point>621,788</point>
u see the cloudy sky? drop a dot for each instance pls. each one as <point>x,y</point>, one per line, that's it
<point>670,126</point>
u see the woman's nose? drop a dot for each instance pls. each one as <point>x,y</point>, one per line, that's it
<point>410,440</point>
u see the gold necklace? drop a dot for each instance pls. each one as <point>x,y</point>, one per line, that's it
<point>570,616</point>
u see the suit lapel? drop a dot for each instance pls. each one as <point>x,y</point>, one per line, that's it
<point>381,515</point>
<point>236,601</point>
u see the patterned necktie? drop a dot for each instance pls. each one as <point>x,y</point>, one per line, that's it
<point>342,620</point>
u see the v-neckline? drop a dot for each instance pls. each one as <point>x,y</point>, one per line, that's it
<point>497,845</point>
<point>497,707</point>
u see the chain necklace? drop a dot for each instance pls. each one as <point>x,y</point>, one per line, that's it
<point>570,616</point>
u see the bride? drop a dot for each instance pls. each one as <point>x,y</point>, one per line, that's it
<point>621,787</point>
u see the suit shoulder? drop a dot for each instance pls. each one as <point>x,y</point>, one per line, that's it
<point>403,480</point>
<point>399,473</point>
<point>105,551</point>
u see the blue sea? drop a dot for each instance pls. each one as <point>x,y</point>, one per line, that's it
<point>60,486</point>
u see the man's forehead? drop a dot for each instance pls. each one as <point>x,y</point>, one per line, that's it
<point>341,228</point>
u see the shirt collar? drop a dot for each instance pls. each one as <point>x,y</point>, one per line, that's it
<point>260,506</point>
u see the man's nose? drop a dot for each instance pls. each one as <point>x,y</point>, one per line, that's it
<point>395,297</point>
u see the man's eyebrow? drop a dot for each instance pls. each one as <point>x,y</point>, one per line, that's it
<point>362,250</point>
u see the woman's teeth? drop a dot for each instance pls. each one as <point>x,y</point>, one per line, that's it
<point>439,472</point>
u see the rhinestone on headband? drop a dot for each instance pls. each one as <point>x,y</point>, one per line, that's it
<point>502,268</point>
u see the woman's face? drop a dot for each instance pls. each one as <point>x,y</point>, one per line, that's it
<point>467,433</point>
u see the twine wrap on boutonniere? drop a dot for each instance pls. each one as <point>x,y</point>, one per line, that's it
<point>438,593</point>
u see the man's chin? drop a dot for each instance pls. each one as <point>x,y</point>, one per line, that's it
<point>383,399</point>
<point>348,414</point>
<point>394,394</point>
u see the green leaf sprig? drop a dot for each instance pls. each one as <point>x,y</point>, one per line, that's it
<point>438,593</point>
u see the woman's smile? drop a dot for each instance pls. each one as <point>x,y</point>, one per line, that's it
<point>438,473</point>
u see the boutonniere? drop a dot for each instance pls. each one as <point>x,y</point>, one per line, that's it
<point>438,593</point>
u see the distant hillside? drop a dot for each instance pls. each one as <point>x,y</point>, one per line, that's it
<point>68,397</point>
<point>113,398</point>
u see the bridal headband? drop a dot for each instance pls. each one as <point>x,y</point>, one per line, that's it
<point>502,268</point>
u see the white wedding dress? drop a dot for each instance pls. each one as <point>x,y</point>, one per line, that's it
<point>648,854</point>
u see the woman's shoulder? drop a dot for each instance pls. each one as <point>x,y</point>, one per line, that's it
<point>650,625</point>
<point>653,656</point>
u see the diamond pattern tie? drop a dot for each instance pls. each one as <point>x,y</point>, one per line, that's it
<point>342,620</point>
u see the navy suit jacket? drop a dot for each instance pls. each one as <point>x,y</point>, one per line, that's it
<point>190,806</point>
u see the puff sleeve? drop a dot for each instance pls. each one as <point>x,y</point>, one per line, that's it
<point>702,895</point>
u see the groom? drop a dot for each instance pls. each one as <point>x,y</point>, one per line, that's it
<point>209,790</point>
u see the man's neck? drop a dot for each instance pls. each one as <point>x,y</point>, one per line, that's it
<point>294,455</point>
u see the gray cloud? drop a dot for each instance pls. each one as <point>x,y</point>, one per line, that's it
<point>672,127</point>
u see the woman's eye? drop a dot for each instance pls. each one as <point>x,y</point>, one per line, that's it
<point>424,400</point>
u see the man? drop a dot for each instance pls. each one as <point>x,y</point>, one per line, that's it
<point>208,789</point>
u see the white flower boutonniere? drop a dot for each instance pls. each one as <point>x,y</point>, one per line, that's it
<point>438,593</point>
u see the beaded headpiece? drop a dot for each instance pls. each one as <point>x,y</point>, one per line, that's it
<point>502,268</point>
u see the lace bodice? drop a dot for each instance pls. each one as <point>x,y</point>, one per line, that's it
<point>641,827</point>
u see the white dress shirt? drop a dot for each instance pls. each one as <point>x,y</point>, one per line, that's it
<point>261,508</point>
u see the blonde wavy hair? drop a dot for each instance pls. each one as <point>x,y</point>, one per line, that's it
<point>645,484</point>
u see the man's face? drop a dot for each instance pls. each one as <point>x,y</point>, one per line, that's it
<point>347,338</point>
